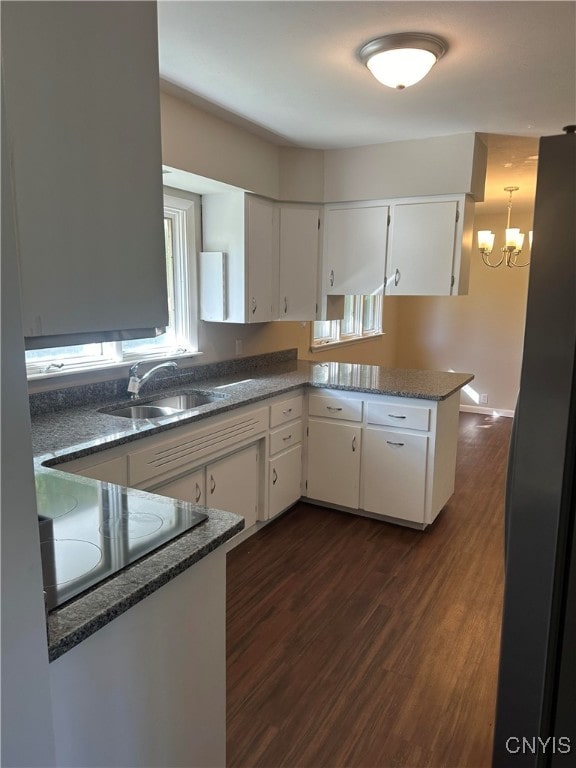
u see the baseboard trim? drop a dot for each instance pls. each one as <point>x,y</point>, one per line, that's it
<point>488,411</point>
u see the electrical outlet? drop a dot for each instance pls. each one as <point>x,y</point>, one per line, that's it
<point>239,346</point>
<point>484,399</point>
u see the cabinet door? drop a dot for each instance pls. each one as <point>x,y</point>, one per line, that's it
<point>83,115</point>
<point>422,246</point>
<point>262,261</point>
<point>232,484</point>
<point>355,241</point>
<point>284,480</point>
<point>334,463</point>
<point>189,487</point>
<point>299,238</point>
<point>394,473</point>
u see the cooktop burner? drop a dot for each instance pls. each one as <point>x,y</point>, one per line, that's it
<point>99,530</point>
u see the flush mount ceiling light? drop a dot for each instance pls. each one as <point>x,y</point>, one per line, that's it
<point>403,59</point>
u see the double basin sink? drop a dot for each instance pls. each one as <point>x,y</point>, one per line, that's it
<point>165,406</point>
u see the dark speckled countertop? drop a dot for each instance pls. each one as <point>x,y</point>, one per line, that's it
<point>67,424</point>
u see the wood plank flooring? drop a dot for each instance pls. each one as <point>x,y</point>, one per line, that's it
<point>359,644</point>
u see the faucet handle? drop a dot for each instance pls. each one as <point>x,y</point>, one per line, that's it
<point>133,372</point>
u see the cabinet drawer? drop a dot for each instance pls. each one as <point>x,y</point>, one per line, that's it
<point>285,437</point>
<point>285,411</point>
<point>406,416</point>
<point>335,407</point>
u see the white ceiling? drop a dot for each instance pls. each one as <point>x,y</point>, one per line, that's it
<point>289,71</point>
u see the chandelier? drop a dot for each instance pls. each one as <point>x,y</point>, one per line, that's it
<point>514,241</point>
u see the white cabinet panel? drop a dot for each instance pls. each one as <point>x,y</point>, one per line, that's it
<point>429,249</point>
<point>83,117</point>
<point>245,228</point>
<point>189,487</point>
<point>232,484</point>
<point>335,407</point>
<point>262,251</point>
<point>394,473</point>
<point>284,478</point>
<point>299,243</point>
<point>334,462</point>
<point>355,239</point>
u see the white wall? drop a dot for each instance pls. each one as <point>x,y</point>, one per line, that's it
<point>27,735</point>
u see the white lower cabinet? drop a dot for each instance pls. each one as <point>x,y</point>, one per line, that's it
<point>189,487</point>
<point>334,462</point>
<point>394,473</point>
<point>232,483</point>
<point>284,480</point>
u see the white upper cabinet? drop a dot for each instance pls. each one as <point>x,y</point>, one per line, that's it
<point>83,119</point>
<point>355,240</point>
<point>430,245</point>
<point>245,229</point>
<point>299,244</point>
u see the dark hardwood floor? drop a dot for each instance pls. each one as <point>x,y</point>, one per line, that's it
<point>357,643</point>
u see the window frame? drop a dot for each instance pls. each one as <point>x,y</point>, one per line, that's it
<point>351,328</point>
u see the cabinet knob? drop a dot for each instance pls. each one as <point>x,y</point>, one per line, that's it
<point>274,477</point>
<point>391,442</point>
<point>254,305</point>
<point>354,444</point>
<point>212,484</point>
<point>198,493</point>
<point>285,305</point>
<point>331,278</point>
<point>333,408</point>
<point>395,416</point>
<point>288,437</point>
<point>396,277</point>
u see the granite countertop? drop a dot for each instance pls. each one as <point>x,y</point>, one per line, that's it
<point>81,429</point>
<point>68,424</point>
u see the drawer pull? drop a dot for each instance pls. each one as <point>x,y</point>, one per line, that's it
<point>333,408</point>
<point>212,484</point>
<point>391,442</point>
<point>354,444</point>
<point>331,278</point>
<point>288,437</point>
<point>287,411</point>
<point>198,493</point>
<point>395,416</point>
<point>274,477</point>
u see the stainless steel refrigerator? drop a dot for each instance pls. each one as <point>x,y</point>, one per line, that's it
<point>536,707</point>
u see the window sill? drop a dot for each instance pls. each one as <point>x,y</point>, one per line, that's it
<point>74,374</point>
<point>344,342</point>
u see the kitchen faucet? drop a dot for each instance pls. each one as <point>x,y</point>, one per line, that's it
<point>135,382</point>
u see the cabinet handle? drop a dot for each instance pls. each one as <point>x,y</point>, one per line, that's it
<point>212,484</point>
<point>254,305</point>
<point>285,305</point>
<point>396,277</point>
<point>333,408</point>
<point>289,437</point>
<point>354,444</point>
<point>198,493</point>
<point>391,442</point>
<point>287,411</point>
<point>395,416</point>
<point>331,279</point>
<point>274,477</point>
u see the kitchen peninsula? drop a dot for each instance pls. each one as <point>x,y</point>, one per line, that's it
<point>279,427</point>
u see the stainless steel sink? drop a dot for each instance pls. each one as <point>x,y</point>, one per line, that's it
<point>144,411</point>
<point>165,406</point>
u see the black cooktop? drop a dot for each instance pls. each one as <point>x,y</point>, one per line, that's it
<point>90,530</point>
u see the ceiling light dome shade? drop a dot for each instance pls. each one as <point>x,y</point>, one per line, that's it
<point>401,60</point>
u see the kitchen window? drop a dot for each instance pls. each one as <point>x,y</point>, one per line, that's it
<point>182,238</point>
<point>362,319</point>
